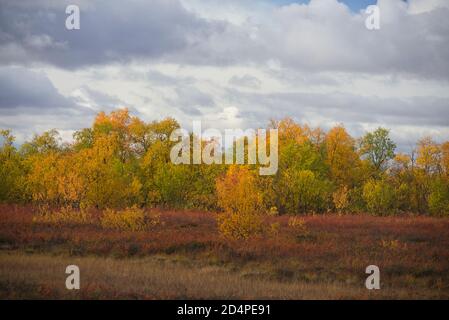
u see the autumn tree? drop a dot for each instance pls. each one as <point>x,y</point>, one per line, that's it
<point>241,200</point>
<point>122,161</point>
<point>341,156</point>
<point>11,169</point>
<point>429,156</point>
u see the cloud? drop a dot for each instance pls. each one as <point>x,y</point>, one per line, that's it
<point>30,103</point>
<point>99,101</point>
<point>246,80</point>
<point>111,31</point>
<point>344,108</point>
<point>324,35</point>
<point>23,89</point>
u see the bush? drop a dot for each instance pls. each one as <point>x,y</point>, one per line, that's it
<point>65,215</point>
<point>439,198</point>
<point>240,226</point>
<point>301,191</point>
<point>379,197</point>
<point>238,192</point>
<point>130,219</point>
<point>241,200</point>
<point>341,199</point>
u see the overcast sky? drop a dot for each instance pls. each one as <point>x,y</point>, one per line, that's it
<point>231,64</point>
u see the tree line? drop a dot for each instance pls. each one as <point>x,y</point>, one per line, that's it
<point>122,161</point>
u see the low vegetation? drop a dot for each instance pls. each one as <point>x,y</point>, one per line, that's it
<point>310,257</point>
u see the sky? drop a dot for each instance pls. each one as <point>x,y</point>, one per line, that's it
<point>355,5</point>
<point>230,64</point>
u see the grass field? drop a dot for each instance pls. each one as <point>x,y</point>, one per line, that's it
<point>185,258</point>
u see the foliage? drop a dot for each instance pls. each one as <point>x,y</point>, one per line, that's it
<point>341,199</point>
<point>241,201</point>
<point>341,156</point>
<point>379,197</point>
<point>122,161</point>
<point>301,191</point>
<point>240,226</point>
<point>378,147</point>
<point>65,215</point>
<point>130,219</point>
<point>439,198</point>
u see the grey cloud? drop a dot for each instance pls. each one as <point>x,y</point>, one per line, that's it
<point>29,103</point>
<point>24,89</point>
<point>191,100</point>
<point>344,108</point>
<point>321,36</point>
<point>111,30</point>
<point>100,101</point>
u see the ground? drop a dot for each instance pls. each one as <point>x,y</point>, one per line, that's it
<point>186,258</point>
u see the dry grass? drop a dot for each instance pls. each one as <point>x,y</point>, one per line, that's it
<point>185,257</point>
<point>39,276</point>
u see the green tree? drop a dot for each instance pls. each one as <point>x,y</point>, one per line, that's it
<point>378,148</point>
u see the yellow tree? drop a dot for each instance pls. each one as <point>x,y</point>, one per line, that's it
<point>108,181</point>
<point>42,180</point>
<point>241,200</point>
<point>429,156</point>
<point>117,123</point>
<point>341,156</point>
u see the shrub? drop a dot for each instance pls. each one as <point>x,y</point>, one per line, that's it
<point>240,226</point>
<point>439,198</point>
<point>341,199</point>
<point>65,215</point>
<point>301,191</point>
<point>241,201</point>
<point>379,197</point>
<point>238,191</point>
<point>130,219</point>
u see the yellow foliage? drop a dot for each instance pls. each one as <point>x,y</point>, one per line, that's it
<point>429,155</point>
<point>402,161</point>
<point>237,191</point>
<point>240,226</point>
<point>65,215</point>
<point>130,219</point>
<point>341,158</point>
<point>379,197</point>
<point>341,199</point>
<point>241,200</point>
